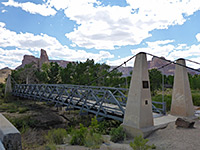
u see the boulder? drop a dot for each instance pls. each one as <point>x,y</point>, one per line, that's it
<point>185,123</point>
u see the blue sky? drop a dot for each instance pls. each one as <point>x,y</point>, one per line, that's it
<point>108,31</point>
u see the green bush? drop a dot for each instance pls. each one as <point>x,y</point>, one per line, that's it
<point>93,140</point>
<point>23,123</point>
<point>88,137</point>
<point>22,110</point>
<point>78,136</point>
<point>56,136</point>
<point>141,144</point>
<point>117,134</point>
<point>196,98</point>
<point>105,126</point>
<point>94,125</point>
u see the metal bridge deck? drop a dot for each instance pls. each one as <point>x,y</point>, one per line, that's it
<point>107,102</point>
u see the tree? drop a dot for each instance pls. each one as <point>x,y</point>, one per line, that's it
<point>49,73</point>
<point>53,73</point>
<point>22,74</point>
<point>155,78</point>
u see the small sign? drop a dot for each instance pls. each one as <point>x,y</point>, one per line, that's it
<point>145,84</point>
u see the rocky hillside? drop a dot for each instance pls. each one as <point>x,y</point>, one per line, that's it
<point>39,61</point>
<point>4,74</point>
<point>154,63</point>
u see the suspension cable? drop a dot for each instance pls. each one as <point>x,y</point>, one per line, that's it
<point>192,61</point>
<point>124,63</point>
<point>174,62</point>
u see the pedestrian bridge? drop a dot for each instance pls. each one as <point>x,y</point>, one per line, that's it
<point>107,102</point>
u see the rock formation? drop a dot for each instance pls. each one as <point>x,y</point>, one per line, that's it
<point>43,58</point>
<point>4,74</point>
<point>39,61</point>
<point>158,63</point>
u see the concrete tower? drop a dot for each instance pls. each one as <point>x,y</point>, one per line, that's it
<point>182,104</point>
<point>8,88</point>
<point>138,119</point>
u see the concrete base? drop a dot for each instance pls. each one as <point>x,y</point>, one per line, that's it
<point>159,123</point>
<point>133,132</point>
<point>9,135</point>
<point>164,120</point>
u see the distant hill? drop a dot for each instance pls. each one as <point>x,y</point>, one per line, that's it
<point>4,74</point>
<point>154,63</point>
<point>39,61</point>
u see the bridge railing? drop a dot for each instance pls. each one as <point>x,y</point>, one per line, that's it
<point>108,102</point>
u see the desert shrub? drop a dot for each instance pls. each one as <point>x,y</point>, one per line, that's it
<point>8,107</point>
<point>141,144</point>
<point>12,106</point>
<point>56,136</point>
<point>94,125</point>
<point>88,137</point>
<point>22,110</point>
<point>93,140</point>
<point>23,123</point>
<point>78,136</point>
<point>117,134</point>
<point>196,98</point>
<point>104,127</point>
<point>49,147</point>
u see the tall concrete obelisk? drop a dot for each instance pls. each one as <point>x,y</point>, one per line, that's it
<point>8,88</point>
<point>138,119</point>
<point>182,104</point>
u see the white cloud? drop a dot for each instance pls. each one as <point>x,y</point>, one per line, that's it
<point>120,61</point>
<point>198,37</point>
<point>3,11</point>
<point>192,52</point>
<point>158,48</point>
<point>12,58</point>
<point>107,27</point>
<point>2,24</point>
<point>59,4</point>
<point>42,9</point>
<point>26,42</point>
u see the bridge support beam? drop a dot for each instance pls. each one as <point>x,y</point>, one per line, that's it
<point>182,104</point>
<point>138,118</point>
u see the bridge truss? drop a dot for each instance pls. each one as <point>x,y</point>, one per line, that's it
<point>108,102</point>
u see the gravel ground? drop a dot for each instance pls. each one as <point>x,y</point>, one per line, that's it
<point>176,138</point>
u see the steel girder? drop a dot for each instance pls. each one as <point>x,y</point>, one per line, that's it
<point>108,102</point>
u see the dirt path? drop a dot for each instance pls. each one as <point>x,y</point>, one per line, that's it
<point>173,138</point>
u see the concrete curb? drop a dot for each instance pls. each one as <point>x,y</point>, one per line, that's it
<point>9,135</point>
<point>1,146</point>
